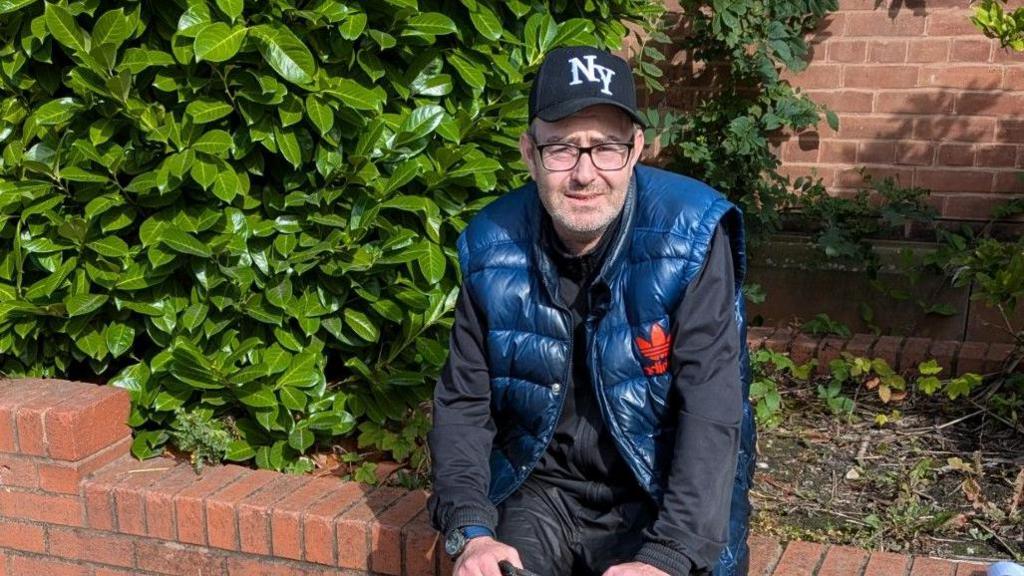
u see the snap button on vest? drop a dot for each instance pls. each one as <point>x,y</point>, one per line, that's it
<point>556,388</point>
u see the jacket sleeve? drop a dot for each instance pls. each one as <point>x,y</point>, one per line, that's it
<point>692,524</point>
<point>460,441</point>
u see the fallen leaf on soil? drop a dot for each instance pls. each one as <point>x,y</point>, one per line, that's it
<point>872,383</point>
<point>1018,493</point>
<point>328,464</point>
<point>973,493</point>
<point>957,464</point>
<point>958,521</point>
<point>853,473</point>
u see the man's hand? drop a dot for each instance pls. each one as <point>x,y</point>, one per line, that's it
<point>633,569</point>
<point>481,557</point>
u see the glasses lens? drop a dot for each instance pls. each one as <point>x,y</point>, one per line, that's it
<point>610,156</point>
<point>560,157</point>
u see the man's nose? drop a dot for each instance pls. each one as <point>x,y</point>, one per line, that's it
<point>585,171</point>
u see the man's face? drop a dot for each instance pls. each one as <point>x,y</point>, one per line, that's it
<point>582,201</point>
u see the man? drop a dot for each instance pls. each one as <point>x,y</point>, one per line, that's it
<point>590,415</point>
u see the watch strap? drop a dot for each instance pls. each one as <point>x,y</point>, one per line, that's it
<point>475,531</point>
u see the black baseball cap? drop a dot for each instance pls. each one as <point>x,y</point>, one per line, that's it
<point>573,78</point>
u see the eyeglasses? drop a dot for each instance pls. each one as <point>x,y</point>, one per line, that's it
<point>561,157</point>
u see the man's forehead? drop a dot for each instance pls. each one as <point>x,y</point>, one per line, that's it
<point>607,121</point>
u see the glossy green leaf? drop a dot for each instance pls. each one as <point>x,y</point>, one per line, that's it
<point>231,8</point>
<point>293,398</point>
<point>110,246</point>
<point>473,167</point>
<point>101,204</point>
<point>206,110</point>
<point>280,292</point>
<point>132,378</point>
<point>403,174</point>
<point>8,6</point>
<point>136,60</point>
<point>119,338</point>
<point>57,111</point>
<point>573,32</point>
<point>288,144</point>
<point>302,372</point>
<point>92,343</point>
<point>356,96</point>
<point>180,241</point>
<point>112,28</point>
<point>256,396</point>
<point>239,450</point>
<point>285,53</point>
<point>300,439</point>
<point>204,171</point>
<point>81,304</point>
<point>430,23</point>
<point>215,143</point>
<point>219,42</point>
<point>472,73</point>
<point>46,287</point>
<point>226,184</point>
<point>420,122</point>
<point>353,26</point>
<point>76,174</point>
<point>485,21</point>
<point>383,39</point>
<point>194,315</point>
<point>361,324</point>
<point>62,25</point>
<point>191,366</point>
<point>275,360</point>
<point>148,443</point>
<point>287,339</point>
<point>431,261</point>
<point>319,113</point>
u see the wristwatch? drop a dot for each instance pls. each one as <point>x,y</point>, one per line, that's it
<point>455,541</point>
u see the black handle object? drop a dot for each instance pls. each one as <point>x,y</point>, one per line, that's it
<point>507,569</point>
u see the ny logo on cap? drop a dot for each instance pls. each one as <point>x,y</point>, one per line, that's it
<point>593,72</point>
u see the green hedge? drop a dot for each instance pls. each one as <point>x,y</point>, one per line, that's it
<point>246,210</point>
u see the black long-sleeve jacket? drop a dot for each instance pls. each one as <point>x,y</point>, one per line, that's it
<point>689,531</point>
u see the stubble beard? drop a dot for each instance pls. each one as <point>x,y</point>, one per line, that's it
<point>581,225</point>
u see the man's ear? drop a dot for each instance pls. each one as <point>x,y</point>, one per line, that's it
<point>638,145</point>
<point>526,151</point>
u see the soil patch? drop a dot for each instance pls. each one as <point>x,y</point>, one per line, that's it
<point>943,478</point>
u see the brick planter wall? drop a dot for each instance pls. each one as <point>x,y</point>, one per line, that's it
<point>74,502</point>
<point>902,354</point>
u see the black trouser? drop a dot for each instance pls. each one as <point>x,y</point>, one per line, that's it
<point>559,534</point>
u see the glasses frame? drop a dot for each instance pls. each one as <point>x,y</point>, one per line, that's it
<point>580,151</point>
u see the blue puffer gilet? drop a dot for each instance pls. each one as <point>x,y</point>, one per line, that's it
<point>668,222</point>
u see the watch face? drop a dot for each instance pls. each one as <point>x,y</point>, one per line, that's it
<point>454,542</point>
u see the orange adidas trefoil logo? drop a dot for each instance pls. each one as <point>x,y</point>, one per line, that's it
<point>655,351</point>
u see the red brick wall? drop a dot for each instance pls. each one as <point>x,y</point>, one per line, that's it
<point>73,502</point>
<point>921,95</point>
